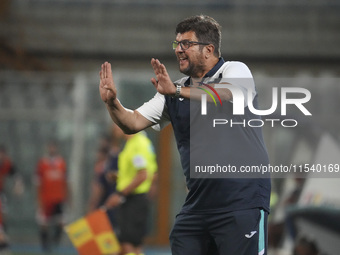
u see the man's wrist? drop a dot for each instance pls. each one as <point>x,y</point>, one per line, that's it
<point>122,197</point>
<point>112,102</point>
<point>178,91</point>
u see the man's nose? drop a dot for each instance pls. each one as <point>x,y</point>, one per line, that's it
<point>178,49</point>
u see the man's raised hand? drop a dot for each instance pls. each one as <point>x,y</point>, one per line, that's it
<point>107,88</point>
<point>162,82</point>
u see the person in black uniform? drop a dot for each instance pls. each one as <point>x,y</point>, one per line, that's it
<point>220,215</point>
<point>104,184</point>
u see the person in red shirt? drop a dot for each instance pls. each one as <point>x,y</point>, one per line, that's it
<point>51,179</point>
<point>7,169</point>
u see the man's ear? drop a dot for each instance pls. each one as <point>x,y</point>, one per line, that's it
<point>209,50</point>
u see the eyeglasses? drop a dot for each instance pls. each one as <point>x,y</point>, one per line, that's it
<point>185,44</point>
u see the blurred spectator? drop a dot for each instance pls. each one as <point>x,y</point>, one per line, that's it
<point>106,154</point>
<point>104,182</point>
<point>7,169</point>
<point>305,247</point>
<point>137,167</point>
<point>101,160</point>
<point>51,180</point>
<point>277,227</point>
<point>292,201</point>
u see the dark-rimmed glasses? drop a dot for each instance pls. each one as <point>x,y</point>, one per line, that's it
<point>185,44</point>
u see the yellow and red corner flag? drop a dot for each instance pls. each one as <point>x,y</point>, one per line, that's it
<point>93,234</point>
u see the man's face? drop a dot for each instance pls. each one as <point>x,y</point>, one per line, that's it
<point>191,61</point>
<point>52,150</point>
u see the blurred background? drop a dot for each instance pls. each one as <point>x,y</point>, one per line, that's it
<point>50,57</point>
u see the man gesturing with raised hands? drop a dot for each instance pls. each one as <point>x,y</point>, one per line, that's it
<point>220,215</point>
